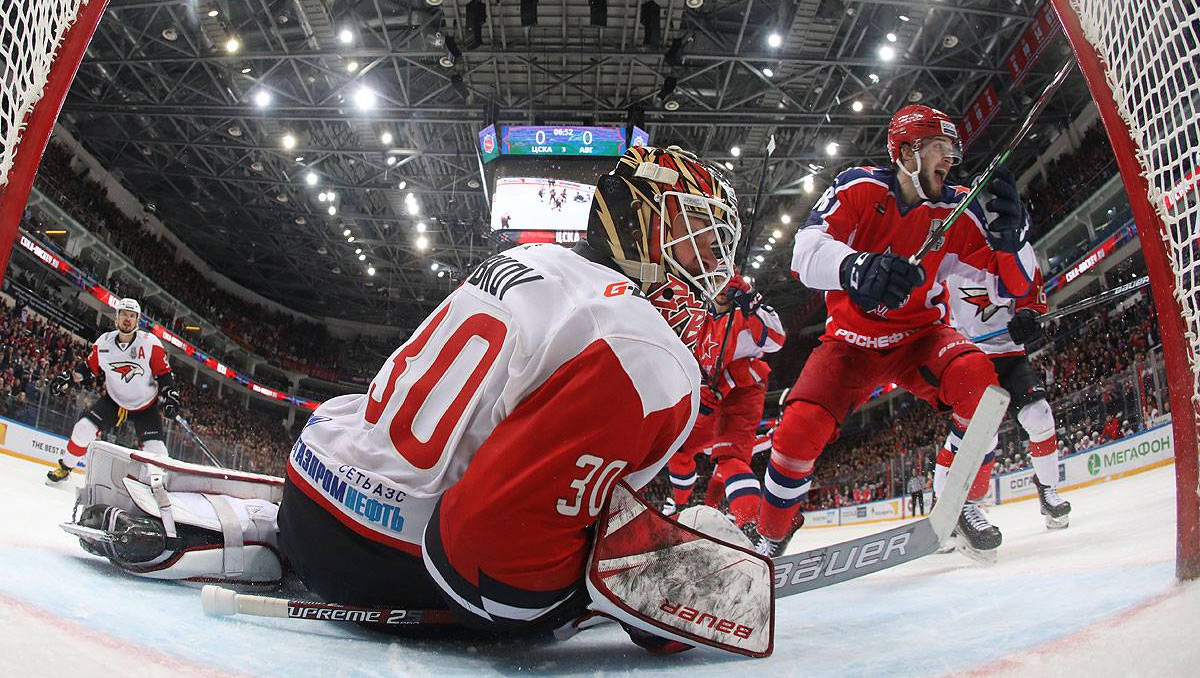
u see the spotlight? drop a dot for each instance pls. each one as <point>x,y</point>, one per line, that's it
<point>364,98</point>
<point>777,234</point>
<point>391,160</point>
<point>351,66</point>
<point>232,45</point>
<point>311,179</point>
<point>775,40</point>
<point>345,36</point>
<point>346,232</point>
<point>785,218</point>
<point>857,106</point>
<point>768,72</point>
<point>420,227</point>
<point>891,37</point>
<point>808,184</point>
<point>385,138</point>
<point>371,269</point>
<point>886,53</point>
<point>332,210</point>
<point>735,151</point>
<point>422,243</point>
<point>289,141</point>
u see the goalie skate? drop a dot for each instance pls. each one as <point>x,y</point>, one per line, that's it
<point>975,537</point>
<point>1056,509</point>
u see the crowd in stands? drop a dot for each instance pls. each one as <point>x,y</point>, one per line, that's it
<point>304,346</point>
<point>1069,180</point>
<point>258,440</point>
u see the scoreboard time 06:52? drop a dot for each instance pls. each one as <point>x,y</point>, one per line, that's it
<point>516,140</point>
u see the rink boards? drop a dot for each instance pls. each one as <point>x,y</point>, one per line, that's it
<point>1143,451</point>
<point>26,442</point>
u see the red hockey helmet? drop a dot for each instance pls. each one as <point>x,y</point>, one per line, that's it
<point>913,123</point>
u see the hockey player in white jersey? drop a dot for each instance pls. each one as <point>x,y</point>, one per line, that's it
<point>977,309</point>
<point>139,387</point>
<point>491,469</point>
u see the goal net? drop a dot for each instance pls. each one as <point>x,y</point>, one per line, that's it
<point>41,45</point>
<point>1140,60</point>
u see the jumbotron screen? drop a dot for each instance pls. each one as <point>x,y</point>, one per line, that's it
<point>540,203</point>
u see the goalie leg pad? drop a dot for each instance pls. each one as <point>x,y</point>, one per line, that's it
<point>675,582</point>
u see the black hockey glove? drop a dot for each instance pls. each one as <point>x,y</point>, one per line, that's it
<point>875,280</point>
<point>1024,327</point>
<point>60,384</point>
<point>1007,219</point>
<point>746,300</point>
<point>170,402</point>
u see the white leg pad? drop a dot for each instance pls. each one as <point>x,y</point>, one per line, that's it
<point>1038,420</point>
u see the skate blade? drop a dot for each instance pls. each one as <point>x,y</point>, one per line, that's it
<point>89,533</point>
<point>64,484</point>
<point>1060,523</point>
<point>981,556</point>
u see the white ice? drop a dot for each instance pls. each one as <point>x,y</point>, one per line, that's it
<point>1097,599</point>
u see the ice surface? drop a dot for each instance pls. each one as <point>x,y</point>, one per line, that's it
<point>1096,599</point>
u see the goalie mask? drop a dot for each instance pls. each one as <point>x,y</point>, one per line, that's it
<point>669,221</point>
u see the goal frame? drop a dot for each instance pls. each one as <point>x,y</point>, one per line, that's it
<point>1152,236</point>
<point>39,123</point>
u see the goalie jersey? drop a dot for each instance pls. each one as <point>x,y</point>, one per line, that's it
<point>130,370</point>
<point>978,308</point>
<point>540,354</point>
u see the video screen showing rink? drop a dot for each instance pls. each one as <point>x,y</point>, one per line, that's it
<point>1097,599</point>
<point>538,203</point>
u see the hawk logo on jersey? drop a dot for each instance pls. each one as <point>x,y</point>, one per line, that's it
<point>978,297</point>
<point>128,371</point>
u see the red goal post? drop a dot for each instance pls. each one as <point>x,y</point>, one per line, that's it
<point>41,45</point>
<point>1139,62</point>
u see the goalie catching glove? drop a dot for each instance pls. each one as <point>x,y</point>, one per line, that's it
<point>875,280</point>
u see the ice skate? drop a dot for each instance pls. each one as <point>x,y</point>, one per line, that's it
<point>975,537</point>
<point>1056,509</point>
<point>669,508</point>
<point>56,475</point>
<point>772,548</point>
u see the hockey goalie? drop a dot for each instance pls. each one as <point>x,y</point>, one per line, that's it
<point>492,466</point>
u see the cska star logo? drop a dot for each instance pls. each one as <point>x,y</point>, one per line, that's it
<point>128,371</point>
<point>978,297</point>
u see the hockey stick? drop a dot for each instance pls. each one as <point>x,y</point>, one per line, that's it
<point>199,443</point>
<point>218,601</point>
<point>1106,295</point>
<point>938,230</point>
<point>851,559</point>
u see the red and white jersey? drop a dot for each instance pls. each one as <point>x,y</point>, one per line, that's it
<point>977,308</point>
<point>860,212</point>
<point>751,337</point>
<point>130,370</point>
<point>540,354</point>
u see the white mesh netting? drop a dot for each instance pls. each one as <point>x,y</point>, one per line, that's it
<point>1151,53</point>
<point>30,34</point>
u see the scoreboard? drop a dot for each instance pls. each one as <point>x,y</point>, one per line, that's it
<point>559,140</point>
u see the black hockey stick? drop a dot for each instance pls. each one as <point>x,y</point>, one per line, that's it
<point>938,230</point>
<point>199,443</point>
<point>222,602</point>
<point>828,565</point>
<point>1105,296</point>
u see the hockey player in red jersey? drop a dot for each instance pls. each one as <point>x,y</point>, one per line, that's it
<point>976,310</point>
<point>138,386</point>
<point>887,316</point>
<point>731,404</point>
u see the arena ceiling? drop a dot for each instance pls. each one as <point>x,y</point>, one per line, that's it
<point>196,125</point>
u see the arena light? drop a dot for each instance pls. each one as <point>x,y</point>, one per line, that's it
<point>807,182</point>
<point>289,141</point>
<point>775,40</point>
<point>755,264</point>
<point>413,208</point>
<point>886,53</point>
<point>768,72</point>
<point>345,36</point>
<point>433,266</point>
<point>777,234</point>
<point>322,197</point>
<point>785,218</point>
<point>350,238</point>
<point>358,250</point>
<point>233,45</point>
<point>903,18</point>
<point>332,210</point>
<point>767,247</point>
<point>874,78</point>
<point>385,138</point>
<point>346,232</point>
<point>332,196</point>
<point>831,149</point>
<point>246,71</point>
<point>311,178</point>
<point>391,160</point>
<point>772,239</point>
<point>370,270</point>
<point>422,243</point>
<point>362,257</point>
<point>759,258</point>
<point>857,106</point>
<point>213,13</point>
<point>891,37</point>
<point>420,227</point>
<point>735,151</point>
<point>351,66</point>
<point>364,98</point>
<point>403,185</point>
<point>728,165</point>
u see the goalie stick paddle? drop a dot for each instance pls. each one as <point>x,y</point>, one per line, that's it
<point>218,601</point>
<point>820,567</point>
<point>938,230</point>
<point>1106,295</point>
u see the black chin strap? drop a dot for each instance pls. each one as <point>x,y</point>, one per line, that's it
<point>584,249</point>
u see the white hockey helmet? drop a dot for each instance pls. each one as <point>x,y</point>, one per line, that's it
<point>129,304</point>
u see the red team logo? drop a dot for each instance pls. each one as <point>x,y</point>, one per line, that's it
<point>128,371</point>
<point>489,143</point>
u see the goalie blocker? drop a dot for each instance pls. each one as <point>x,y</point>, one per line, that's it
<point>164,519</point>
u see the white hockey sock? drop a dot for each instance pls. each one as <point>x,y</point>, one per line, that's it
<point>1046,468</point>
<point>939,478</point>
